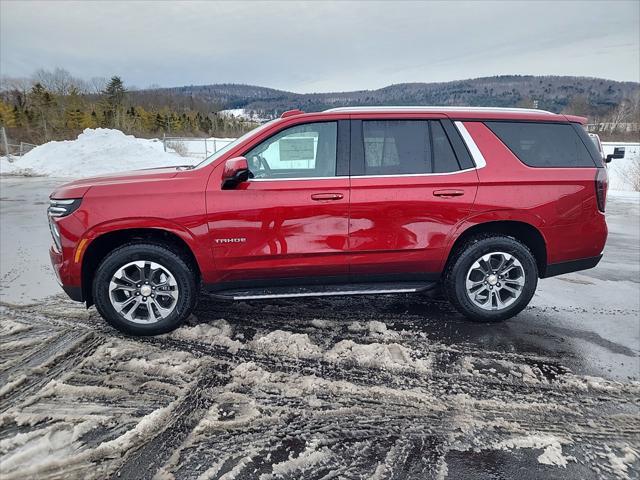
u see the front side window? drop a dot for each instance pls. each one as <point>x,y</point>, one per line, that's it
<point>303,151</point>
<point>543,144</point>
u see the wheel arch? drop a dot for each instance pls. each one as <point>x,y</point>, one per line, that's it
<point>523,231</point>
<point>101,245</point>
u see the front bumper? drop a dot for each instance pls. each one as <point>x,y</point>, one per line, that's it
<point>61,268</point>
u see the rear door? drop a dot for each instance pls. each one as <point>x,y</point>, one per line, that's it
<point>412,181</point>
<point>291,219</point>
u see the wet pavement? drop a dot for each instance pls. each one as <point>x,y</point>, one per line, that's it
<point>367,387</point>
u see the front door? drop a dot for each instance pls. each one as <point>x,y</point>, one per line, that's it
<point>409,189</point>
<point>291,219</point>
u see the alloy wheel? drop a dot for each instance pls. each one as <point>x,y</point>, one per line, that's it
<point>143,292</point>
<point>495,281</point>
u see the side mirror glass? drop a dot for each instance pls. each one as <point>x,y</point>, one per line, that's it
<point>236,171</point>
<point>618,152</point>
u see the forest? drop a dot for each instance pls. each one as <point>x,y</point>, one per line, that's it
<point>55,105</point>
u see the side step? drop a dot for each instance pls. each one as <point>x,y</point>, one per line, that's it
<point>265,293</point>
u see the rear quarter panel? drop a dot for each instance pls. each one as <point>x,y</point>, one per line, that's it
<point>560,202</point>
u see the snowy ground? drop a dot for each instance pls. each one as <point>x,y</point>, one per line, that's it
<point>371,387</point>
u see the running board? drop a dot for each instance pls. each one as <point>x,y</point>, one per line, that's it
<point>324,290</point>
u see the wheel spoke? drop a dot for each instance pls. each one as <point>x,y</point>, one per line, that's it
<point>167,293</point>
<point>503,260</point>
<point>514,291</point>
<point>163,311</point>
<point>495,295</point>
<point>516,281</point>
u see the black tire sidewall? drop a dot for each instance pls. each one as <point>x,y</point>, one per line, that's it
<point>456,287</point>
<point>149,252</point>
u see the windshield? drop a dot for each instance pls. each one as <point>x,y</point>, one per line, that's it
<point>214,156</point>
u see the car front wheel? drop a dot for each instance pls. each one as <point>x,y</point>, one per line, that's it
<point>492,278</point>
<point>144,289</point>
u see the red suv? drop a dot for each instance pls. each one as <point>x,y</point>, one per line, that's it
<point>347,201</point>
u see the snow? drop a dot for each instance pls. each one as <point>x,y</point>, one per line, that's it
<point>218,332</point>
<point>552,445</point>
<point>243,114</point>
<point>102,151</point>
<point>280,342</point>
<point>620,169</point>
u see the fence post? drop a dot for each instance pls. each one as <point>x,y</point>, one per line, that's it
<point>164,141</point>
<point>206,152</point>
<point>215,149</point>
<point>5,142</point>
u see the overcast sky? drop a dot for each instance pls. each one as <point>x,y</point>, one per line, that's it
<point>320,46</point>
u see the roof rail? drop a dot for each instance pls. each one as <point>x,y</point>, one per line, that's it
<point>290,113</point>
<point>439,109</point>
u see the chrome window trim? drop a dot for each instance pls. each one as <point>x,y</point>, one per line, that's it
<point>415,174</point>
<point>399,175</point>
<point>476,154</point>
<point>295,178</point>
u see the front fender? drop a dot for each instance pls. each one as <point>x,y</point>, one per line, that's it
<point>195,241</point>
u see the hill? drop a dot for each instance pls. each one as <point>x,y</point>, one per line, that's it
<point>554,93</point>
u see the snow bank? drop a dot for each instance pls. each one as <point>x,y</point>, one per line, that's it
<point>95,152</point>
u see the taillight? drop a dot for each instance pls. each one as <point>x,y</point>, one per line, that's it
<point>602,182</point>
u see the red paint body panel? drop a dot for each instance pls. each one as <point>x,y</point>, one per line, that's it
<point>337,226</point>
<point>398,225</point>
<point>284,232</point>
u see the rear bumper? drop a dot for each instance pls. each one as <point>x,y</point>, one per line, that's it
<point>572,266</point>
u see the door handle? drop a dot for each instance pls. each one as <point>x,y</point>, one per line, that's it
<point>327,196</point>
<point>448,193</point>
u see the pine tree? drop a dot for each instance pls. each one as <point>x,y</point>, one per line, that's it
<point>114,94</point>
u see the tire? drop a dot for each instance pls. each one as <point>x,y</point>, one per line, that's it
<point>467,283</point>
<point>167,297</point>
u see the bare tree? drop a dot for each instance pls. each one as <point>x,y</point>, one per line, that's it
<point>97,84</point>
<point>59,81</point>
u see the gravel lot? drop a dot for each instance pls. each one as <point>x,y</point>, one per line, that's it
<point>370,387</point>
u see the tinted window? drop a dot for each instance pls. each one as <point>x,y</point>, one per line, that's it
<point>302,151</point>
<point>543,144</point>
<point>444,158</point>
<point>394,147</point>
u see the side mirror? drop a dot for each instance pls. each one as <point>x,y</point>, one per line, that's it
<point>236,171</point>
<point>618,152</point>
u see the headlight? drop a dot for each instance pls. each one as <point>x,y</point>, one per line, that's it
<point>55,233</point>
<point>62,208</point>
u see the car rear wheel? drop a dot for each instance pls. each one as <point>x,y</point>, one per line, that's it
<point>144,289</point>
<point>492,278</point>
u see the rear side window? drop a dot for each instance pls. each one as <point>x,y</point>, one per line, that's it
<point>543,144</point>
<point>403,147</point>
<point>396,147</point>
<point>444,158</point>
